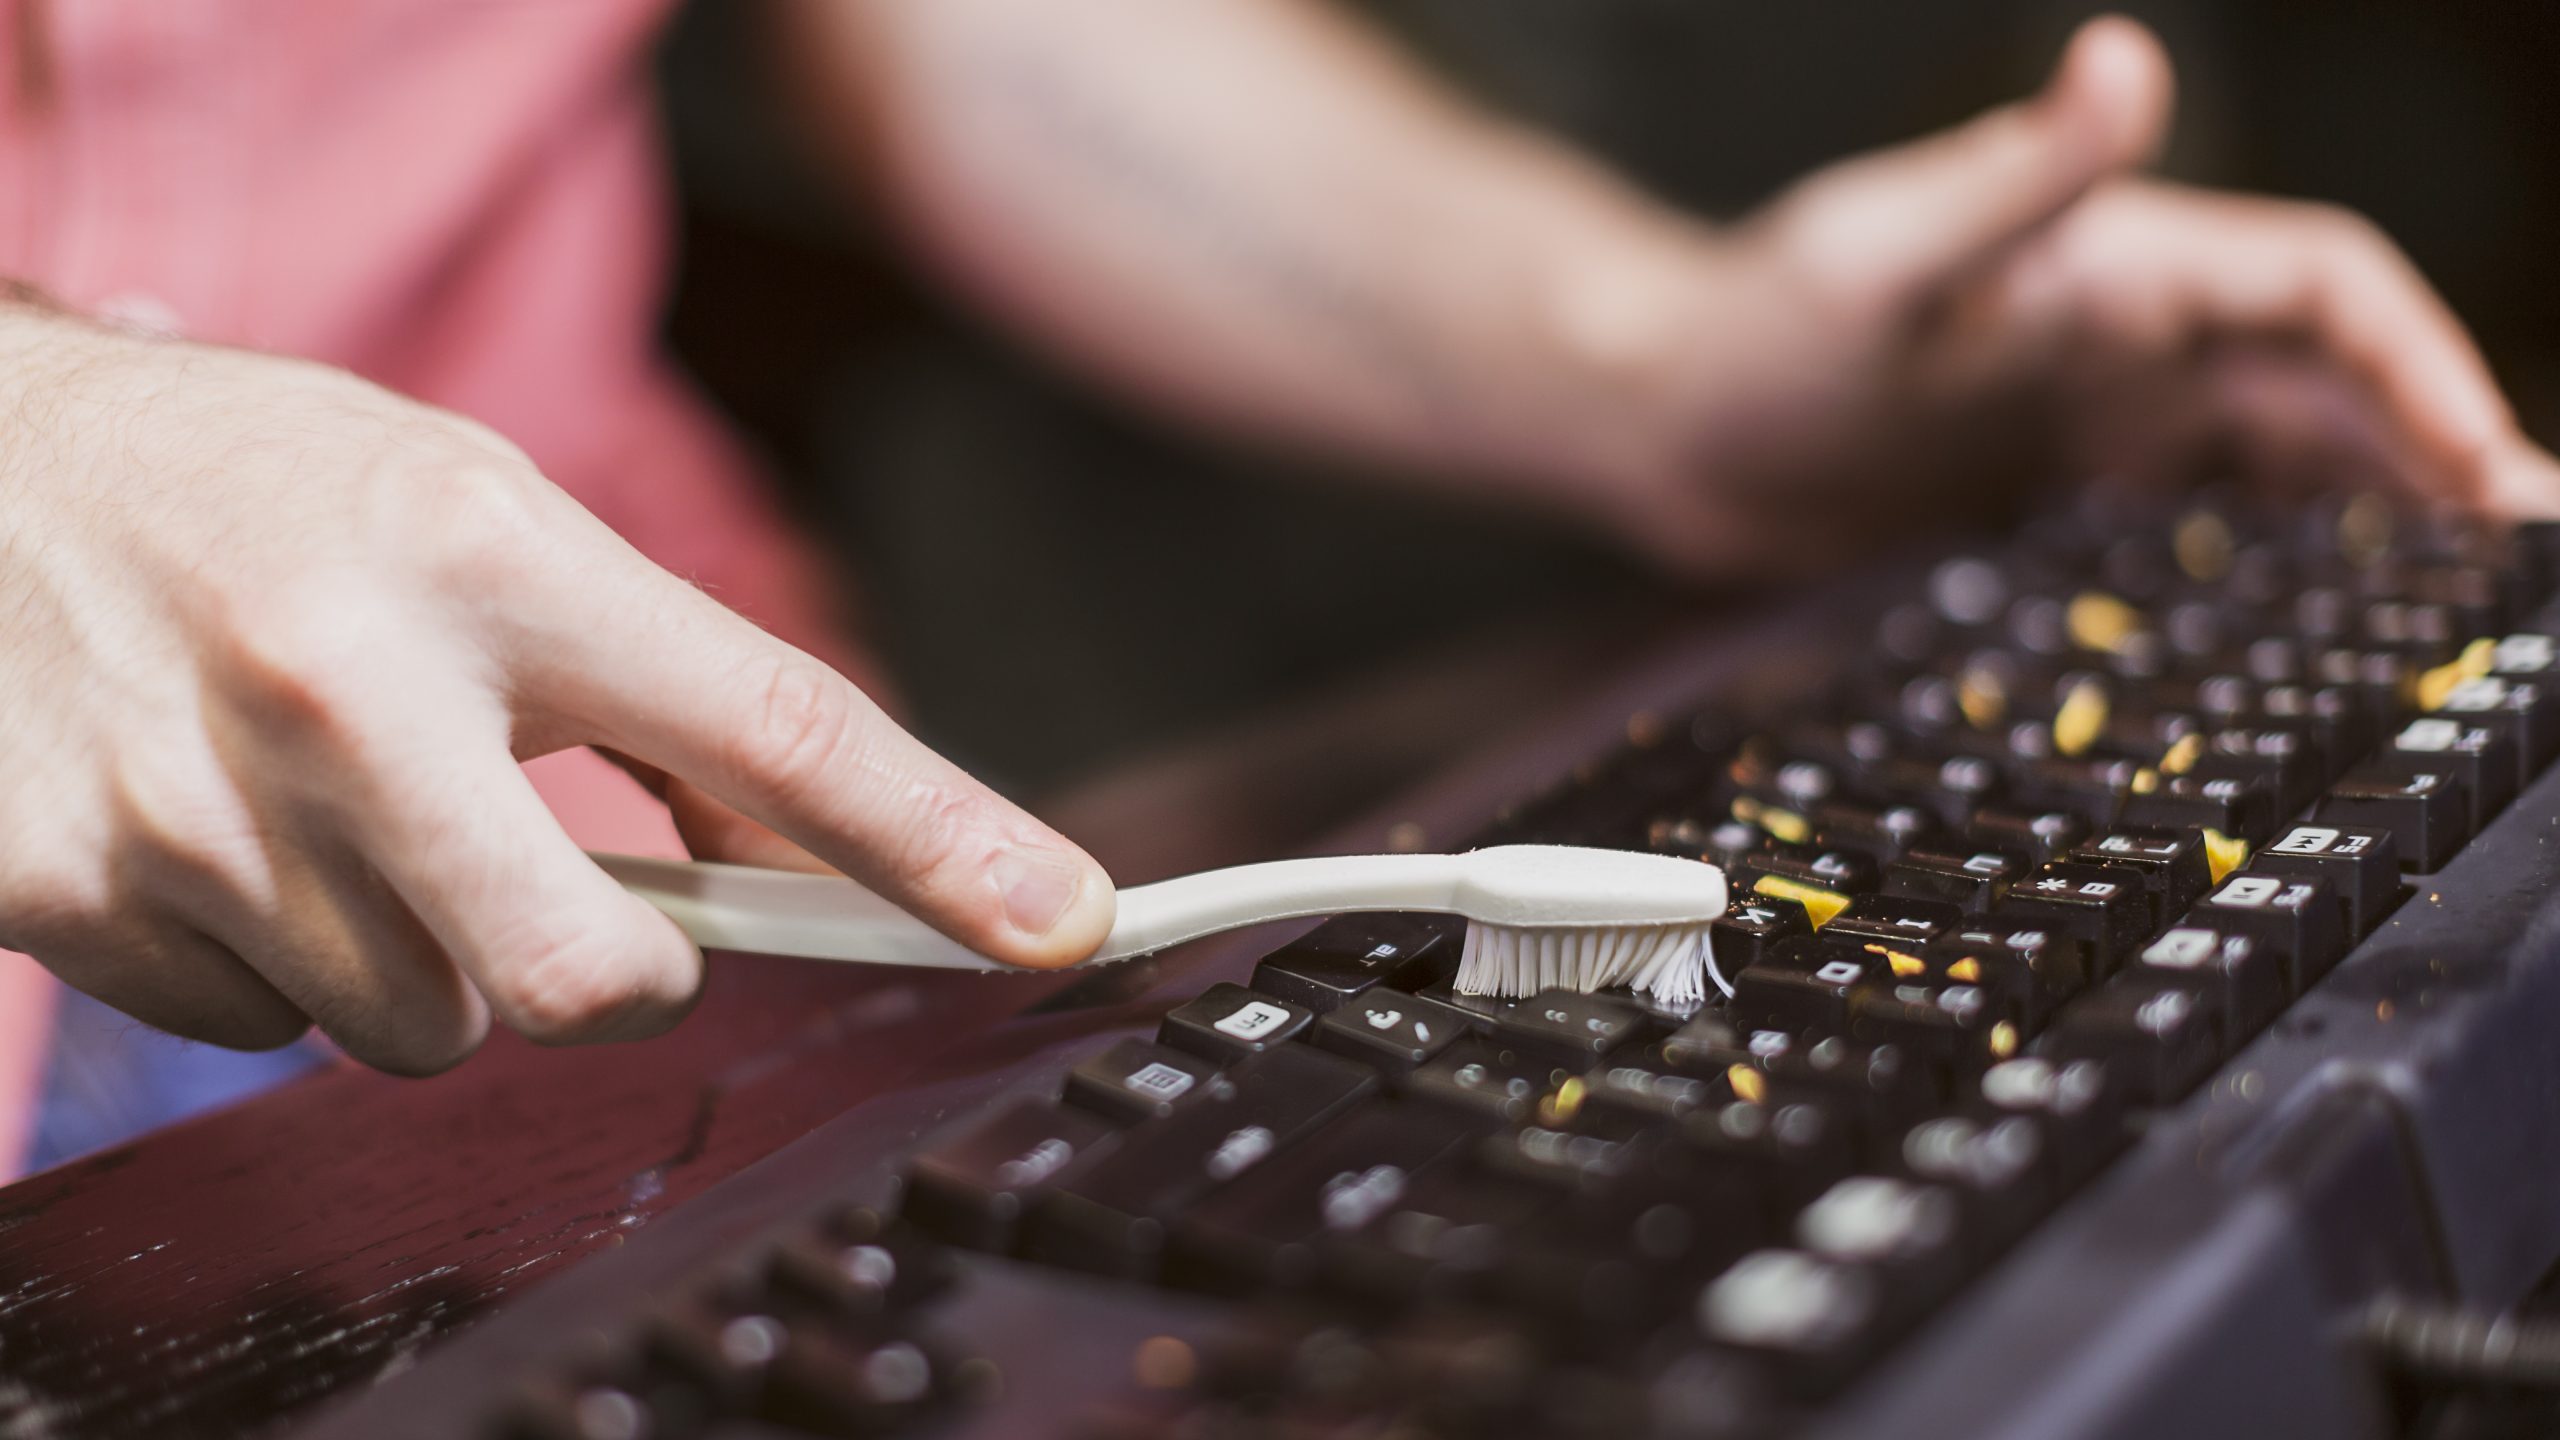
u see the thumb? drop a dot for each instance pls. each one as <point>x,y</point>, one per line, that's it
<point>1899,223</point>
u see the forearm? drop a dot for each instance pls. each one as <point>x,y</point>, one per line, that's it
<point>1257,213</point>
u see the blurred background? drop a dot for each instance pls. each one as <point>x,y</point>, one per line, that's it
<point>1062,585</point>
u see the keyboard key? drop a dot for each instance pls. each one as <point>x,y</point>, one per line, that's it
<point>2426,812</point>
<point>1228,1022</point>
<point>2035,967</point>
<point>1139,1080</point>
<point>2040,835</point>
<point>2301,921</point>
<point>1902,1234</point>
<point>1480,1076</point>
<point>2246,981</point>
<point>1392,1030</point>
<point>1903,923</point>
<point>1838,871</point>
<point>1452,1226</point>
<point>972,1191</point>
<point>1111,1216</point>
<point>2362,866</point>
<point>1569,1024</point>
<point>2521,709</point>
<point>2106,908</point>
<point>1261,1232</point>
<point>2172,864</point>
<point>1954,1029</point>
<point>854,1267</point>
<point>1342,958</point>
<point>1648,1085</point>
<point>1751,930</point>
<point>1805,987</point>
<point>2077,1105</point>
<point>1884,832</point>
<point>1812,1322</point>
<point>2240,806</point>
<point>2482,756</point>
<point>1971,878</point>
<point>2159,1036</point>
<point>1784,1152</point>
<point>1998,1170</point>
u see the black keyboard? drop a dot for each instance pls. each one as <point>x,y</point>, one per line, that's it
<point>2138,964</point>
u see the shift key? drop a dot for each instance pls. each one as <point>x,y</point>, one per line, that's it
<point>1112,1217</point>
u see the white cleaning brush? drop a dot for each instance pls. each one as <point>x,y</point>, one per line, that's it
<point>1538,915</point>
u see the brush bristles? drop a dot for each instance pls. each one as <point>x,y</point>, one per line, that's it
<point>1669,961</point>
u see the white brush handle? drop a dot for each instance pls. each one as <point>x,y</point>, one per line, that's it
<point>827,917</point>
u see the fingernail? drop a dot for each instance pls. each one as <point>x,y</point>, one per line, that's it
<point>1038,889</point>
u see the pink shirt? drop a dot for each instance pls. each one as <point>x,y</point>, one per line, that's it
<point>461,199</point>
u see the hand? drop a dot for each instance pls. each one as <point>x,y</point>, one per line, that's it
<point>273,642</point>
<point>1912,338</point>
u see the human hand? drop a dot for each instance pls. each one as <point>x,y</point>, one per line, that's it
<point>1915,337</point>
<point>274,641</point>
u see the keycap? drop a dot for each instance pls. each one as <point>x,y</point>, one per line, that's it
<point>1228,1022</point>
<point>1902,1234</point>
<point>1784,1152</point>
<point>1969,877</point>
<point>2481,756</point>
<point>1996,1168</point>
<point>1843,871</point>
<point>1951,1027</point>
<point>2172,864</point>
<point>1568,1024</point>
<point>827,1382</point>
<point>972,1190</point>
<point>1873,1091</point>
<point>1261,1232</point>
<point>1111,1216</point>
<point>1478,1075</point>
<point>2362,866</point>
<point>562,1408</point>
<point>855,1266</point>
<point>1883,831</point>
<point>720,1350</point>
<point>1343,958</point>
<point>1804,987</point>
<point>1570,1159</point>
<point>2426,812</point>
<point>2040,835</point>
<point>1722,844</point>
<point>1811,1322</point>
<point>1752,928</point>
<point>1139,1080</point>
<point>2279,756</point>
<point>2241,806</point>
<point>1452,1226</point>
<point>2158,1036</point>
<point>1650,1085</point>
<point>2522,709</point>
<point>2036,967</point>
<point>1895,920</point>
<point>2246,981</point>
<point>2300,920</point>
<point>2077,1105</point>
<point>1392,1030</point>
<point>2107,909</point>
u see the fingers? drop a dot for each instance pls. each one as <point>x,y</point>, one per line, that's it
<point>650,666</point>
<point>348,952</point>
<point>171,978</point>
<point>561,953</point>
<point>1897,225</point>
<point>2160,270</point>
